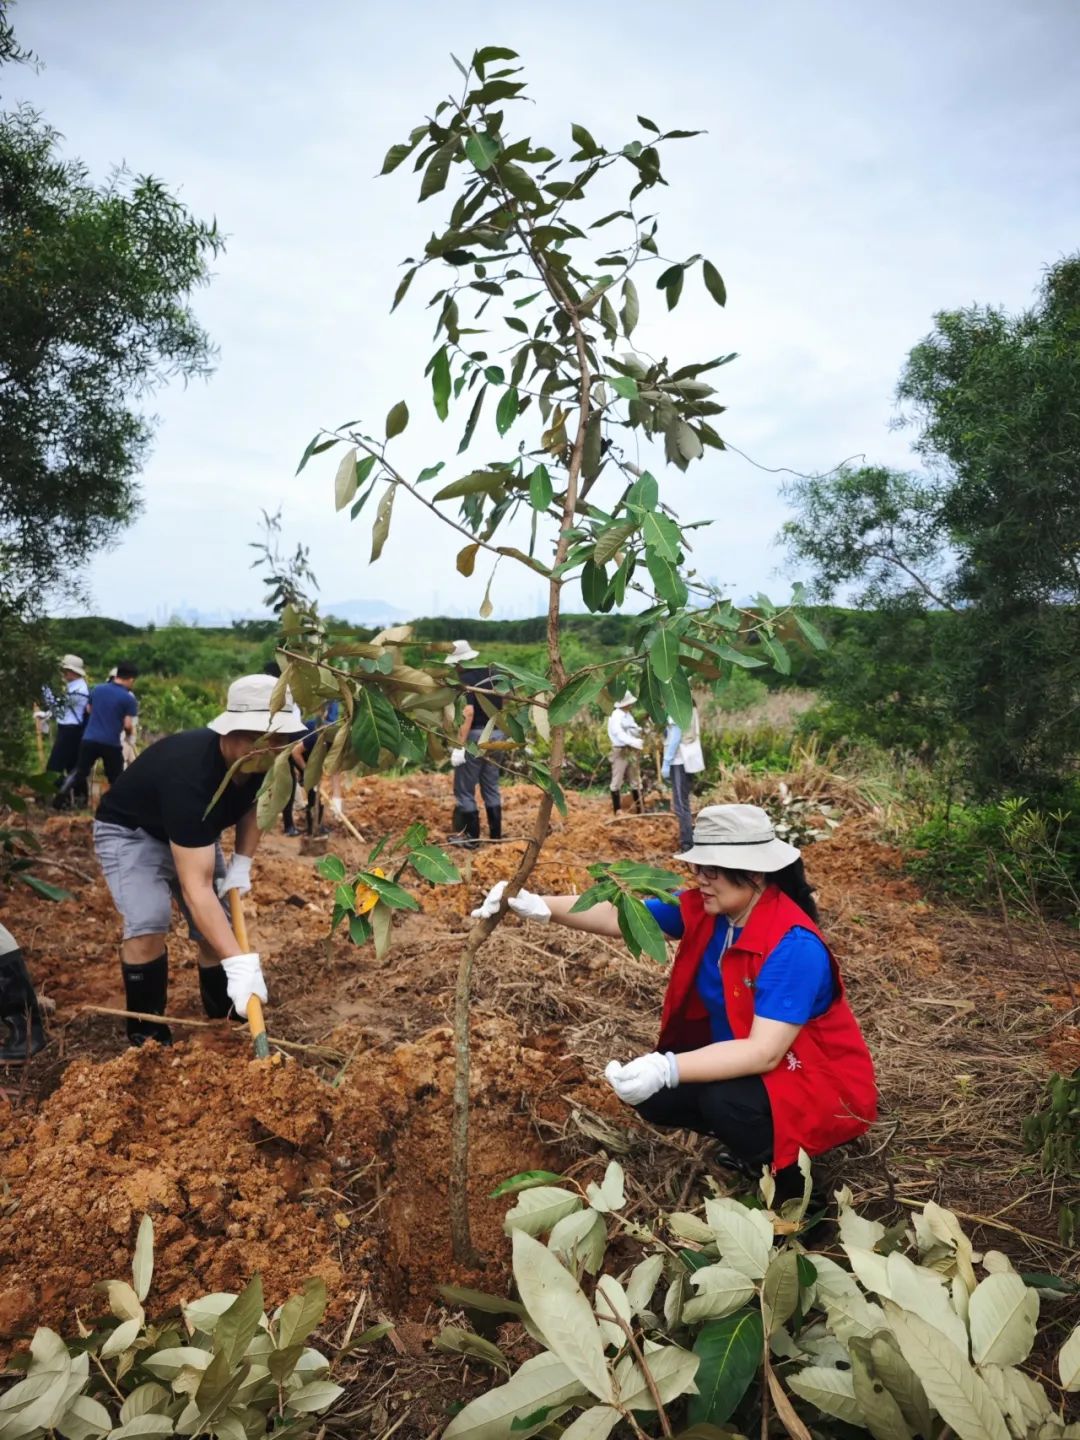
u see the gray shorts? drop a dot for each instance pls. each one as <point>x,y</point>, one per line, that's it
<point>141,876</point>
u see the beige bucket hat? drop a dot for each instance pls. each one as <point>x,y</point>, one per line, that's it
<point>738,837</point>
<point>626,701</point>
<point>73,662</point>
<point>462,651</point>
<point>247,707</point>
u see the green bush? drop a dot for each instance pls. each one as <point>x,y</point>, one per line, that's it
<point>1010,851</point>
<point>166,706</point>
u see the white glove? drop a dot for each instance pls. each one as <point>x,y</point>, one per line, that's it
<point>642,1077</point>
<point>236,877</point>
<point>335,804</point>
<point>244,978</point>
<point>524,903</point>
<point>457,757</point>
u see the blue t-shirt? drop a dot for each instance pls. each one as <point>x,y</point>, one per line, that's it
<point>794,984</point>
<point>109,704</point>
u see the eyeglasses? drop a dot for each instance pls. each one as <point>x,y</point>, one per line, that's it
<point>707,872</point>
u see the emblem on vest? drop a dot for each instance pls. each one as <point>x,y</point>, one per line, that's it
<point>793,1061</point>
<point>748,982</point>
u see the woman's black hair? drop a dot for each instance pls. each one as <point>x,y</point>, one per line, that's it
<point>791,881</point>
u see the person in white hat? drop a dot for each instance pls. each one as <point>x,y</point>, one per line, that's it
<point>157,838</point>
<point>626,744</point>
<point>70,723</point>
<point>683,757</point>
<point>474,770</point>
<point>758,1046</point>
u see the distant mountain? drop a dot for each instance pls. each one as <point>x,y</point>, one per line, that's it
<point>366,612</point>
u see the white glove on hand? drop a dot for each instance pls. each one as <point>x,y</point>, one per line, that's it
<point>236,877</point>
<point>642,1077</point>
<point>524,903</point>
<point>244,978</point>
<point>457,757</point>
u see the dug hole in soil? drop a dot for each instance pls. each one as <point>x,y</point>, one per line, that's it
<point>269,1167</point>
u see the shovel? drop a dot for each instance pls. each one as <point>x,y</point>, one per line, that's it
<point>255,1020</point>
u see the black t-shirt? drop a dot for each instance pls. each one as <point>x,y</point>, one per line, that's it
<point>166,789</point>
<point>480,680</point>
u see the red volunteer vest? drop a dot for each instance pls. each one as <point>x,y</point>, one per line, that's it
<point>822,1093</point>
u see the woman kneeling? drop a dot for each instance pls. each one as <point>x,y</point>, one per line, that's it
<point>758,1046</point>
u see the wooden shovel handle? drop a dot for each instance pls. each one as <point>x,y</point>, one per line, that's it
<point>256,1022</point>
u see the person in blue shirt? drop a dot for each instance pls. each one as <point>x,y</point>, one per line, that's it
<point>112,710</point>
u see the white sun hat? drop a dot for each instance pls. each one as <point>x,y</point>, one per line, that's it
<point>626,701</point>
<point>73,662</point>
<point>248,708</point>
<point>738,837</point>
<point>462,651</point>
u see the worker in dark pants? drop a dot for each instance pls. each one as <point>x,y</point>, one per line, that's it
<point>473,770</point>
<point>19,1009</point>
<point>70,723</point>
<point>111,711</point>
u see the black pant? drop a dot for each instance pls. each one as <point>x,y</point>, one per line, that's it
<point>64,757</point>
<point>111,756</point>
<point>735,1112</point>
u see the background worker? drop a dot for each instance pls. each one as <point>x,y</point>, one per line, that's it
<point>758,1046</point>
<point>471,771</point>
<point>626,744</point>
<point>70,719</point>
<point>157,839</point>
<point>111,715</point>
<point>683,758</point>
<point>19,1009</point>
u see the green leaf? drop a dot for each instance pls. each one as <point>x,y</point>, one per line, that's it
<point>315,446</point>
<point>435,865</point>
<point>812,633</point>
<point>301,1314</point>
<point>585,142</point>
<point>574,696</point>
<point>776,652</point>
<point>495,373</point>
<point>396,154</point>
<point>474,416</point>
<point>644,494</point>
<point>380,531</point>
<point>594,585</point>
<point>714,282</point>
<point>464,1342</point>
<point>478,1300</point>
<point>487,53</point>
<point>678,699</point>
<point>525,1180</point>
<point>403,287</point>
<point>624,386</point>
<point>561,1313</point>
<point>331,868</point>
<point>389,891</point>
<point>631,308</point>
<point>397,419</point>
<point>667,580</point>
<point>639,929</point>
<point>236,1329</point>
<point>541,490</point>
<point>438,170</point>
<point>507,412</point>
<point>375,726</point>
<point>611,540</point>
<point>475,483</point>
<point>730,1351</point>
<point>663,650</point>
<point>43,888</point>
<point>440,383</point>
<point>661,535</point>
<point>481,151</point>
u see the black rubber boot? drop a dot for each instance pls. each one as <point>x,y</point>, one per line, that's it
<point>466,829</point>
<point>146,988</point>
<point>19,1011</point>
<point>616,802</point>
<point>213,987</point>
<point>494,819</point>
<point>637,800</point>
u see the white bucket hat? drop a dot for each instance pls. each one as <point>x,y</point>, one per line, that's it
<point>462,651</point>
<point>626,701</point>
<point>738,837</point>
<point>73,662</point>
<point>248,708</point>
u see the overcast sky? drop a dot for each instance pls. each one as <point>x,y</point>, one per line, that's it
<point>865,166</point>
